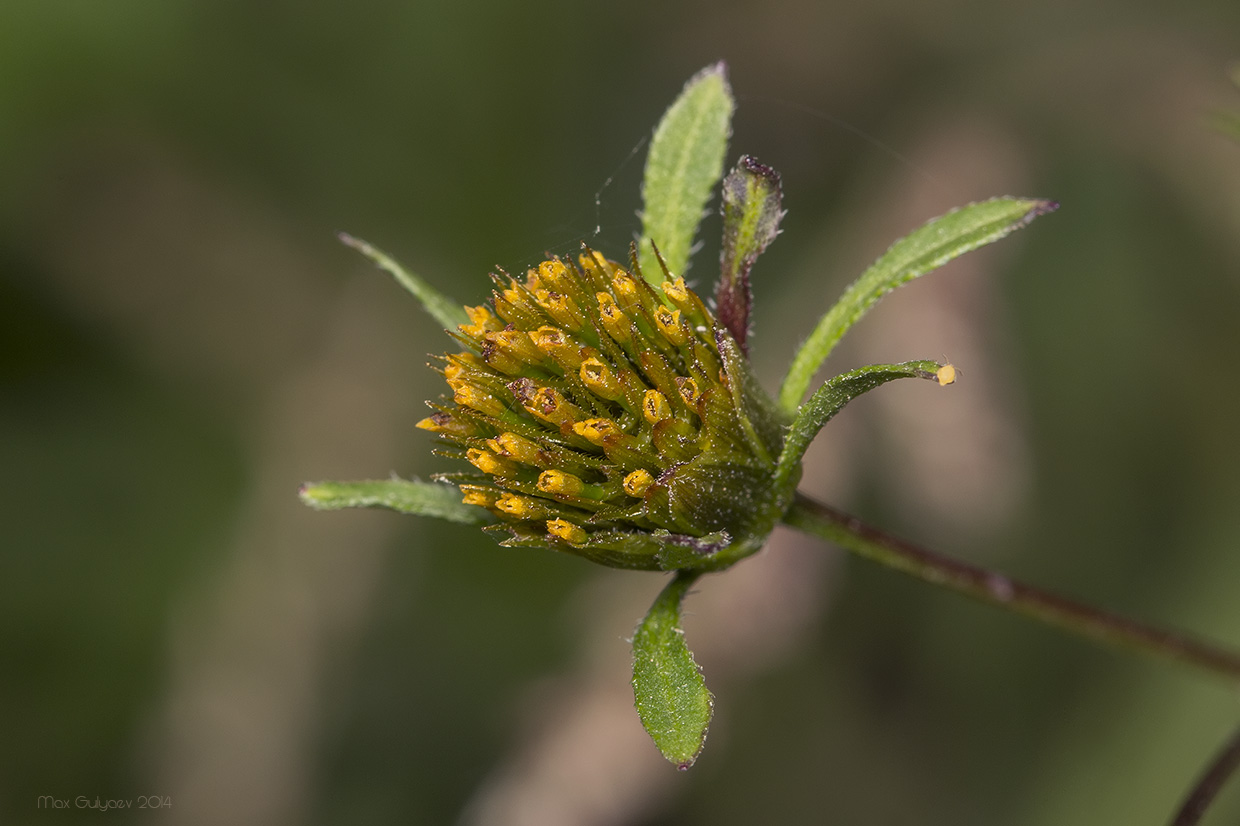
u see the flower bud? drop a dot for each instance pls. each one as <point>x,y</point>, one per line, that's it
<point>559,483</point>
<point>601,419</point>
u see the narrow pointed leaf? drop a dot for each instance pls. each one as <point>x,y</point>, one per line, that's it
<point>683,165</point>
<point>752,209</point>
<point>443,309</point>
<point>925,249</point>
<point>672,700</point>
<point>421,498</point>
<point>830,399</point>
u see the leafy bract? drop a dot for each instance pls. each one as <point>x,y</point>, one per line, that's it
<point>925,249</point>
<point>420,498</point>
<point>443,309</point>
<point>683,165</point>
<point>829,399</point>
<point>752,210</point>
<point>672,699</point>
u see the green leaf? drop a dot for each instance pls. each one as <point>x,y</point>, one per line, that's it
<point>672,699</point>
<point>421,498</point>
<point>830,399</point>
<point>752,210</point>
<point>927,248</point>
<point>450,314</point>
<point>684,163</point>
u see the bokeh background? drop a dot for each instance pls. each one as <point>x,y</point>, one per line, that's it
<point>183,342</point>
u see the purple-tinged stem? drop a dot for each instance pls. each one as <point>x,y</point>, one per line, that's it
<point>1083,620</point>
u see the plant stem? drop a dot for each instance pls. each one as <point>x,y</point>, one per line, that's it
<point>1225,764</point>
<point>854,535</point>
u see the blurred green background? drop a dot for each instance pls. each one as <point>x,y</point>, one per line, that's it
<point>183,342</point>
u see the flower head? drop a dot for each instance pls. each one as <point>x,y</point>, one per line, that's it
<point>613,416</point>
<point>607,417</point>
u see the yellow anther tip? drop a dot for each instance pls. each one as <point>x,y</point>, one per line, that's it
<point>688,390</point>
<point>484,460</point>
<point>549,339</point>
<point>596,430</point>
<point>655,407</point>
<point>668,322</point>
<point>557,481</point>
<point>598,376</point>
<point>638,482</point>
<point>476,497</point>
<point>675,289</point>
<point>570,533</point>
<point>469,396</point>
<point>518,506</point>
<point>624,286</point>
<point>551,269</point>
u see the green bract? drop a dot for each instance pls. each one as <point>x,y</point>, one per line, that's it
<point>609,413</point>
